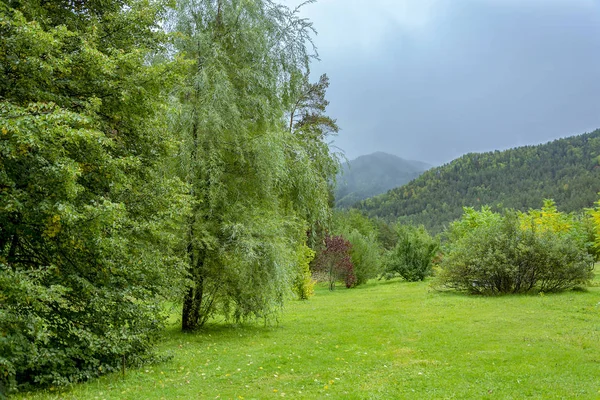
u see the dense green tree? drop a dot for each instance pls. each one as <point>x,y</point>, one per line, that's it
<point>412,257</point>
<point>362,233</point>
<point>257,185</point>
<point>312,127</point>
<point>387,235</point>
<point>88,218</point>
<point>310,124</point>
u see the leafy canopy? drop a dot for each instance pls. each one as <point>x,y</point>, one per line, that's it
<point>257,185</point>
<point>87,219</point>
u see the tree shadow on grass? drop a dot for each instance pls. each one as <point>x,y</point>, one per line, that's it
<point>532,293</point>
<point>225,331</point>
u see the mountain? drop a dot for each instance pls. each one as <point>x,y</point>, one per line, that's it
<point>566,170</point>
<point>374,174</point>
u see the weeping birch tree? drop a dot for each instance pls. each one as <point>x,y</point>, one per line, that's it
<point>255,185</point>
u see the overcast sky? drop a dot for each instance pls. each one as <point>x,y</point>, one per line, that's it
<point>431,80</point>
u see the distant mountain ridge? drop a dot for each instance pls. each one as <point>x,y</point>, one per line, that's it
<point>566,170</point>
<point>373,174</point>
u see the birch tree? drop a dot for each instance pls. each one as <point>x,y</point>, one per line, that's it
<point>256,187</point>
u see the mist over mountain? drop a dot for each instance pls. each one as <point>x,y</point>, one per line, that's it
<point>373,174</point>
<point>565,170</point>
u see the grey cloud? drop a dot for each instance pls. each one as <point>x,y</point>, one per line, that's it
<point>480,75</point>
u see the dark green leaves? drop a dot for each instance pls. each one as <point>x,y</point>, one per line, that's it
<point>89,220</point>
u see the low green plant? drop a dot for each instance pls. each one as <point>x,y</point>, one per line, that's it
<point>413,254</point>
<point>514,253</point>
<point>304,284</point>
<point>366,251</point>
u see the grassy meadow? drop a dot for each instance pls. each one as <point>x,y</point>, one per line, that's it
<point>384,340</point>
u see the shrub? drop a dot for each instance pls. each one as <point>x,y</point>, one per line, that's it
<point>365,256</point>
<point>413,255</point>
<point>592,225</point>
<point>506,254</point>
<point>366,250</point>
<point>304,283</point>
<point>335,262</point>
<point>48,338</point>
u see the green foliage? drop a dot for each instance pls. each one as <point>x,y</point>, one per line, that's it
<point>366,251</point>
<point>592,228</point>
<point>470,220</point>
<point>590,231</point>
<point>310,124</point>
<point>136,166</point>
<point>304,284</point>
<point>386,234</point>
<point>257,184</point>
<point>515,253</point>
<point>413,255</point>
<point>579,227</point>
<point>88,219</point>
<point>565,170</point>
<point>548,218</point>
<point>365,255</point>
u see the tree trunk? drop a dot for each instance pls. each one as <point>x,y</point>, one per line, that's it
<point>187,321</point>
<point>12,252</point>
<point>192,303</point>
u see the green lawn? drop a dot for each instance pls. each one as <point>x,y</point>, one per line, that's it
<point>385,340</point>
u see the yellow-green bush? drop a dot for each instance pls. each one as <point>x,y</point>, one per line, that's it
<point>304,284</point>
<point>515,253</point>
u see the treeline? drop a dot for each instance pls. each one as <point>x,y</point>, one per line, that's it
<point>151,151</point>
<point>566,170</point>
<point>482,252</point>
<point>358,248</point>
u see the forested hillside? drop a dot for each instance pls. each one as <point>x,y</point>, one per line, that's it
<point>566,170</point>
<point>373,174</point>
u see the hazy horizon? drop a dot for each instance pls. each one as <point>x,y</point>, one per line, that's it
<point>431,80</point>
<point>390,152</point>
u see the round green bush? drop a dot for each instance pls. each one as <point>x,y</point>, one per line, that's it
<point>500,256</point>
